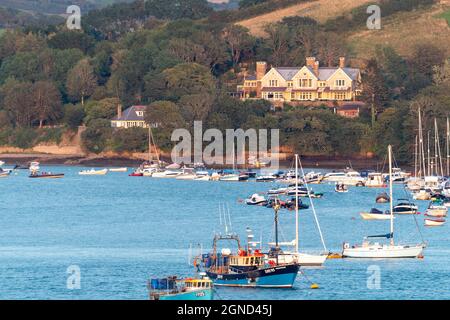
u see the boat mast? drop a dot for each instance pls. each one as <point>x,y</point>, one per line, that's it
<point>428,153</point>
<point>447,144</point>
<point>296,203</point>
<point>439,155</point>
<point>390,194</point>
<point>421,147</point>
<point>415,159</point>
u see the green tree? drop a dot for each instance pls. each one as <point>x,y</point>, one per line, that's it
<point>46,101</point>
<point>81,82</point>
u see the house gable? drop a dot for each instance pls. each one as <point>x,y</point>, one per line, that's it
<point>339,74</point>
<point>273,74</point>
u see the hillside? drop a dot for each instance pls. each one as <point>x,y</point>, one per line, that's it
<point>321,10</point>
<point>54,6</point>
<point>403,31</point>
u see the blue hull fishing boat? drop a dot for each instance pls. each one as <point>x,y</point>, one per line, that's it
<point>248,267</point>
<point>171,288</point>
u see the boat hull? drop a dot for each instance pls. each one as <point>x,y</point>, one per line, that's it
<point>374,216</point>
<point>204,294</point>
<point>383,252</point>
<point>282,276</point>
<point>433,223</point>
<point>303,259</point>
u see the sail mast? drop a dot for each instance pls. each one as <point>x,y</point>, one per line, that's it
<point>296,203</point>
<point>415,160</point>
<point>391,209</point>
<point>447,144</point>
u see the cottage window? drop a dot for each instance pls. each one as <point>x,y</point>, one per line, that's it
<point>303,83</point>
<point>273,83</point>
<point>340,83</point>
<point>339,96</point>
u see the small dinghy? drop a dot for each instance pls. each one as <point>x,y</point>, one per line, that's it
<point>375,214</point>
<point>256,199</point>
<point>92,172</point>
<point>265,178</point>
<point>340,187</point>
<point>136,174</point>
<point>434,222</point>
<point>118,169</point>
<point>382,198</point>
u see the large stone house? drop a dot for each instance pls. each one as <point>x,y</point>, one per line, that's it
<point>130,117</point>
<point>308,83</point>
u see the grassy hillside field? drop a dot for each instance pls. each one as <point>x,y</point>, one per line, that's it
<point>321,10</point>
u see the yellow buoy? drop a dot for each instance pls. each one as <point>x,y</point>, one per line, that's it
<point>314,286</point>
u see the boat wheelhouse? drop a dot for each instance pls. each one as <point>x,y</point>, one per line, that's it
<point>171,288</point>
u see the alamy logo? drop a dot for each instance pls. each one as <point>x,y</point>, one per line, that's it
<point>188,150</point>
<point>74,18</point>
<point>374,277</point>
<point>74,278</point>
<point>374,20</point>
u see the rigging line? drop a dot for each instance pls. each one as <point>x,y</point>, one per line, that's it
<point>408,196</point>
<point>312,207</point>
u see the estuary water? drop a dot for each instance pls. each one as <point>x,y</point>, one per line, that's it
<point>120,231</point>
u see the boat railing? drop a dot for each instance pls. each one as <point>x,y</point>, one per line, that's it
<point>236,270</point>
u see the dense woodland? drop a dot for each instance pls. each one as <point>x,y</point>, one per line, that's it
<point>182,58</point>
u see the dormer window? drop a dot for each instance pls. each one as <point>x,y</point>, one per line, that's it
<point>140,113</point>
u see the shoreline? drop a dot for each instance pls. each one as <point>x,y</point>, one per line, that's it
<point>92,161</point>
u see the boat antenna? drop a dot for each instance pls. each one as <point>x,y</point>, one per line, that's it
<point>313,208</point>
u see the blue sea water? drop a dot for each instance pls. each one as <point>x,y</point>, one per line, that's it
<point>122,230</point>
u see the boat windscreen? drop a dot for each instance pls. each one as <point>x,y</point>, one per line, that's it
<point>375,210</point>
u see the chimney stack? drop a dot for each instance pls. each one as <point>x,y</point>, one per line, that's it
<point>310,61</point>
<point>316,68</point>
<point>341,62</point>
<point>119,111</point>
<point>261,69</point>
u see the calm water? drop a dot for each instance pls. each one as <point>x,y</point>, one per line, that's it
<point>122,230</point>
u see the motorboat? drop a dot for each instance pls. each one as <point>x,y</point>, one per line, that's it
<point>93,172</point>
<point>375,180</point>
<point>167,174</point>
<point>48,175</point>
<point>4,173</point>
<point>256,199</point>
<point>349,177</point>
<point>375,214</point>
<point>404,206</point>
<point>312,177</point>
<point>370,249</point>
<point>436,209</point>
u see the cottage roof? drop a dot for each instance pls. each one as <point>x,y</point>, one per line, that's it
<point>131,114</point>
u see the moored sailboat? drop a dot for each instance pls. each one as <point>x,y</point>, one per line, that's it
<point>388,250</point>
